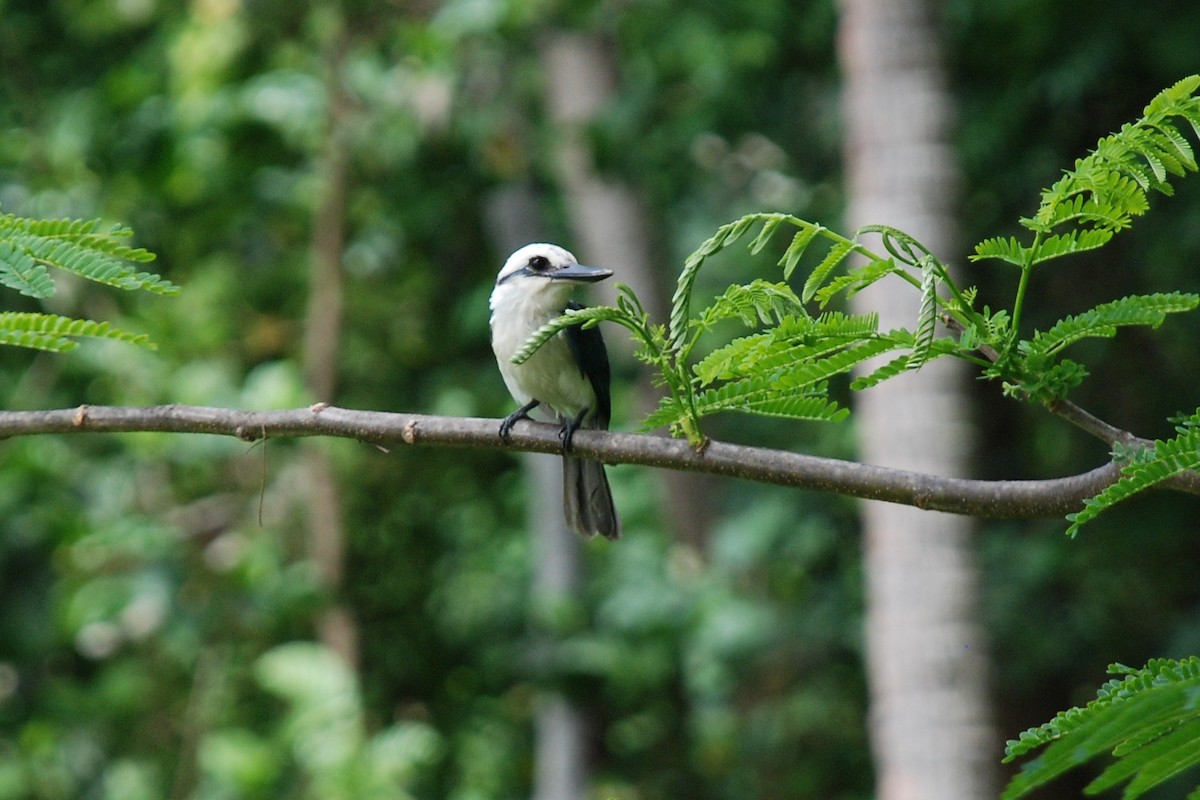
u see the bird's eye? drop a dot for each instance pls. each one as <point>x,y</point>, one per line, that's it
<point>539,263</point>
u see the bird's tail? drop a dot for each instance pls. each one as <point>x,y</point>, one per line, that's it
<point>587,500</point>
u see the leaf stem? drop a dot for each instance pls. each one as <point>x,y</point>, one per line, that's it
<point>1023,284</point>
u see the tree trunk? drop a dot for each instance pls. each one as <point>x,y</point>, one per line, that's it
<point>926,657</point>
<point>335,625</point>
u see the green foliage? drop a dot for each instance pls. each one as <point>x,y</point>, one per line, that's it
<point>55,333</point>
<point>785,370</point>
<point>1104,191</point>
<point>28,247</point>
<point>324,729</point>
<point>1012,251</point>
<point>1104,319</point>
<point>1035,369</point>
<point>758,301</point>
<point>1147,469</point>
<point>1110,186</point>
<point>1149,720</point>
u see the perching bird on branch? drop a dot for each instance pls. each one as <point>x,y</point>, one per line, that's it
<point>569,374</point>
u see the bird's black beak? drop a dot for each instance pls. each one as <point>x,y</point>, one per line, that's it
<point>580,273</point>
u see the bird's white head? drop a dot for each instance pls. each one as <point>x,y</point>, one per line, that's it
<point>540,265</point>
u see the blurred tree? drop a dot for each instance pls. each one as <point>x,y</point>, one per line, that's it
<point>926,652</point>
<point>322,335</point>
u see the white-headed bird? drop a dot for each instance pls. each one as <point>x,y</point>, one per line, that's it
<point>569,374</point>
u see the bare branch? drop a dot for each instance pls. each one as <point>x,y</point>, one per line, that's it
<point>1089,422</point>
<point>1013,499</point>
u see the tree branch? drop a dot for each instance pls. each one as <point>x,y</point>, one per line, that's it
<point>1086,421</point>
<point>1011,499</point>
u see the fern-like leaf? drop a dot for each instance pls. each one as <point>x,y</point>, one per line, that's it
<point>1149,720</point>
<point>19,271</point>
<point>905,362</point>
<point>1108,187</point>
<point>927,317</point>
<point>1063,244</point>
<point>677,329</point>
<point>762,395</point>
<point>904,248</point>
<point>76,246</point>
<point>1104,319</point>
<point>855,280</point>
<point>756,302</point>
<point>586,317</point>
<point>798,246</point>
<point>770,223</point>
<point>833,259</point>
<point>793,341</point>
<point>95,259</point>
<point>1167,459</point>
<point>759,388</point>
<point>669,413</point>
<point>1164,754</point>
<point>1002,248</point>
<point>1069,243</point>
<point>58,334</point>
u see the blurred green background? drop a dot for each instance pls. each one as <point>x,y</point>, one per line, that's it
<point>159,594</point>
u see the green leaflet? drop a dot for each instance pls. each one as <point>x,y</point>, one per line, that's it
<point>800,375</point>
<point>555,326</point>
<point>1108,188</point>
<point>669,413</point>
<point>769,402</point>
<point>836,255</point>
<point>1010,250</point>
<point>19,271</point>
<point>854,281</point>
<point>1148,720</point>
<point>57,334</point>
<point>1035,368</point>
<point>793,340</point>
<point>814,407</point>
<point>770,223</point>
<point>797,248</point>
<point>905,362</point>
<point>77,246</point>
<point>29,247</point>
<point>927,316</point>
<point>756,302</point>
<point>1168,458</point>
<point>682,299</point>
<point>1104,319</point>
<point>93,258</point>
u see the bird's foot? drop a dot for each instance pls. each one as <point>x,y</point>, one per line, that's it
<point>567,433</point>
<point>521,413</point>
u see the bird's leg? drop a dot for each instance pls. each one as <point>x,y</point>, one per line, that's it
<point>568,429</point>
<point>521,413</point>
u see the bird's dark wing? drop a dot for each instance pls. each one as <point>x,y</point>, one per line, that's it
<point>588,350</point>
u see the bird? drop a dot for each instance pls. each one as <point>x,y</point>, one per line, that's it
<point>569,375</point>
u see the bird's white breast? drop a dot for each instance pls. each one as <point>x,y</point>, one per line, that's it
<point>551,374</point>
